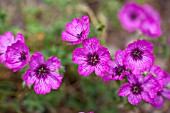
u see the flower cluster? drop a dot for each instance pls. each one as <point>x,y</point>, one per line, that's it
<point>146,80</point>
<point>15,55</point>
<point>143,18</point>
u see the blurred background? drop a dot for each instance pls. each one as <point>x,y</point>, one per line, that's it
<point>42,22</point>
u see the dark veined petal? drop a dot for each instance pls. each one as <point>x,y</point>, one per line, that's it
<point>157,102</point>
<point>91,45</point>
<point>36,60</point>
<point>53,63</point>
<point>85,69</point>
<point>79,56</point>
<point>125,90</point>
<point>41,87</point>
<point>134,99</point>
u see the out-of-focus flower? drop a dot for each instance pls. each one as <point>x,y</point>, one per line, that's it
<point>42,74</point>
<point>139,56</point>
<point>130,16</point>
<point>139,88</point>
<point>17,56</point>
<point>7,39</point>
<point>150,27</point>
<point>77,30</point>
<point>117,68</point>
<point>92,57</point>
<point>152,13</point>
<point>144,18</point>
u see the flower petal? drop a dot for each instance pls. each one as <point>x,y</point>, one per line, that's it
<point>36,60</point>
<point>157,102</point>
<point>41,87</point>
<point>53,63</point>
<point>104,54</point>
<point>125,90</point>
<point>146,96</point>
<point>91,45</point>
<point>79,56</point>
<point>30,77</point>
<point>134,99</point>
<point>166,93</point>
<point>54,80</point>
<point>19,37</point>
<point>101,69</point>
<point>68,37</point>
<point>85,69</point>
<point>119,57</point>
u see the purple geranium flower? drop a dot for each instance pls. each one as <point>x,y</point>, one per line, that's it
<point>42,74</point>
<point>139,88</point>
<point>77,30</point>
<point>6,40</point>
<point>139,56</point>
<point>152,13</point>
<point>92,57</point>
<point>17,56</point>
<point>150,27</point>
<point>158,101</point>
<point>117,68</point>
<point>130,16</point>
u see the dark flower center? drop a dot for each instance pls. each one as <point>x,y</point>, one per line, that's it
<point>136,89</point>
<point>22,56</point>
<point>42,71</point>
<point>93,59</point>
<point>159,93</point>
<point>133,16</point>
<point>119,70</point>
<point>79,35</point>
<point>136,54</point>
<point>1,54</point>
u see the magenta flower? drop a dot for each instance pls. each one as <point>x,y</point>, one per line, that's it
<point>130,16</point>
<point>152,13</point>
<point>117,69</point>
<point>17,56</point>
<point>139,88</point>
<point>139,56</point>
<point>77,30</point>
<point>158,101</point>
<point>150,27</point>
<point>6,40</point>
<point>42,74</point>
<point>92,57</point>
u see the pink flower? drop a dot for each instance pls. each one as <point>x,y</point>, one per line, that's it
<point>139,88</point>
<point>139,56</point>
<point>150,27</point>
<point>6,40</point>
<point>130,16</point>
<point>77,30</point>
<point>42,74</point>
<point>117,69</point>
<point>92,57</point>
<point>17,56</point>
